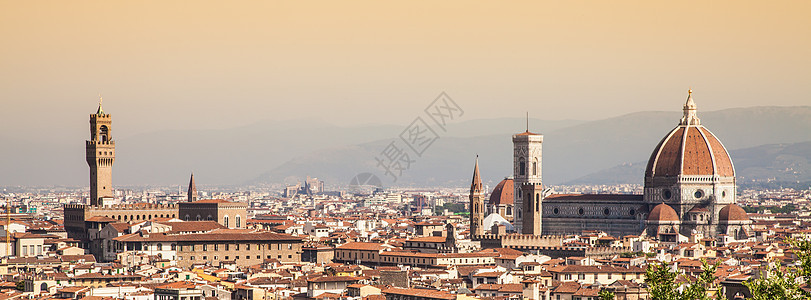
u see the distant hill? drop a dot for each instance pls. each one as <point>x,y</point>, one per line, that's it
<point>273,151</point>
<point>782,163</point>
<point>570,154</point>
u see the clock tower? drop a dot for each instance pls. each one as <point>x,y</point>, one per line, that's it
<point>100,155</point>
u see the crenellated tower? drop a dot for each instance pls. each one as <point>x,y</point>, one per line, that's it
<point>476,203</point>
<point>100,155</point>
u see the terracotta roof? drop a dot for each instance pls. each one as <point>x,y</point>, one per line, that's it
<point>663,212</point>
<point>334,279</point>
<point>361,246</point>
<point>429,239</point>
<point>120,227</point>
<point>527,133</point>
<point>101,219</point>
<point>733,212</point>
<point>419,293</point>
<point>690,150</point>
<point>219,235</point>
<point>503,193</point>
<point>192,226</point>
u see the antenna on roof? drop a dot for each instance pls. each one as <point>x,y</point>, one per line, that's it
<point>527,121</point>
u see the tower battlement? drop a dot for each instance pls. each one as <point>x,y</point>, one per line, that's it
<point>94,143</point>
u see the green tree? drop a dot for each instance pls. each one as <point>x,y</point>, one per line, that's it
<point>606,295</point>
<point>785,283</point>
<point>662,283</point>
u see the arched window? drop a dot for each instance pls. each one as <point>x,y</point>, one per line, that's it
<point>173,247</point>
<point>521,166</point>
<point>534,168</point>
<point>238,224</point>
<point>186,218</point>
<point>137,217</point>
<point>198,218</point>
<point>43,287</point>
<point>103,133</point>
<point>225,221</point>
<point>160,247</point>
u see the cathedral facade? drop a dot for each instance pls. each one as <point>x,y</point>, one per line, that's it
<point>689,187</point>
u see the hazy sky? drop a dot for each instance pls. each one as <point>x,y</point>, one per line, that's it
<point>201,64</point>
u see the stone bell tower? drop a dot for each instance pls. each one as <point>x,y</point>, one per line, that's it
<point>476,203</point>
<point>527,158</point>
<point>100,154</point>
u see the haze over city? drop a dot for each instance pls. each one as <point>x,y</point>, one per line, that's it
<point>418,150</point>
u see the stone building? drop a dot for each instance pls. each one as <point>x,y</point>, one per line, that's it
<point>229,214</point>
<point>83,221</point>
<point>689,187</point>
<point>223,245</point>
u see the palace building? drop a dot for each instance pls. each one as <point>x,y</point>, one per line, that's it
<point>689,187</point>
<point>83,222</point>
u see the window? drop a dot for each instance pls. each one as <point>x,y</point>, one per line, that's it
<point>225,221</point>
<point>174,247</point>
<point>205,257</point>
<point>226,247</point>
<point>216,258</point>
<point>248,247</point>
<point>521,167</point>
<point>236,246</point>
<point>216,247</point>
<point>160,247</point>
<point>238,219</point>
<point>537,202</point>
<point>236,257</point>
<point>534,168</point>
<point>191,257</point>
<point>205,247</point>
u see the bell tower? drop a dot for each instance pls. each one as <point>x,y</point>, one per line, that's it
<point>100,154</point>
<point>476,203</point>
<point>527,158</point>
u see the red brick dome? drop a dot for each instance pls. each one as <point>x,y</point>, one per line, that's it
<point>690,149</point>
<point>662,213</point>
<point>503,193</point>
<point>733,212</point>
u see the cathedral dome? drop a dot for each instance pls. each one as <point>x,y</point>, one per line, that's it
<point>503,193</point>
<point>733,212</point>
<point>663,213</point>
<point>690,149</point>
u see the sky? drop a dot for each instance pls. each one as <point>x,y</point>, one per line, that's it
<point>177,65</point>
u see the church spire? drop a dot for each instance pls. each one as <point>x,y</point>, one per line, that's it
<point>690,117</point>
<point>192,196</point>
<point>476,185</point>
